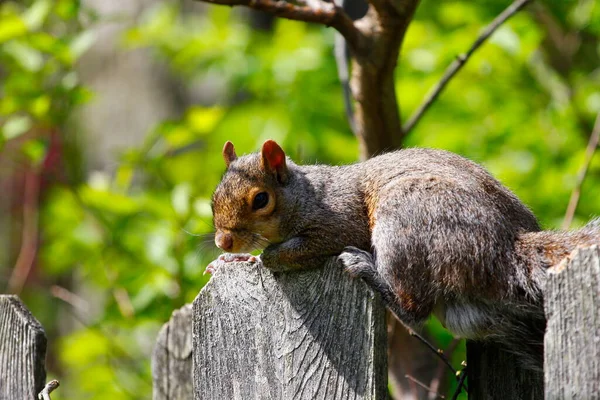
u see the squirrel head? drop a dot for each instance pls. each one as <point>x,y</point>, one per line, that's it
<point>245,203</point>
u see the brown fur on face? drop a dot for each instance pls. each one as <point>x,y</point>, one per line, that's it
<point>232,206</point>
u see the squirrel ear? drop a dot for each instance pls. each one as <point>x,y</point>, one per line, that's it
<point>273,160</point>
<point>229,153</point>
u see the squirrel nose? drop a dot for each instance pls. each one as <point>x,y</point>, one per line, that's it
<point>224,240</point>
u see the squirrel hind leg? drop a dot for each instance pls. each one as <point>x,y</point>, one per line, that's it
<point>361,264</point>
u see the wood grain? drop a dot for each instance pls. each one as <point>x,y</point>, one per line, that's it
<point>572,341</point>
<point>304,335</point>
<point>494,374</point>
<point>22,351</point>
<point>172,358</point>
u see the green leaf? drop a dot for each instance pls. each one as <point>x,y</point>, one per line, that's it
<point>507,39</point>
<point>67,9</point>
<point>40,106</point>
<point>81,43</point>
<point>109,202</point>
<point>11,27</point>
<point>35,150</point>
<point>202,208</point>
<point>16,126</point>
<point>180,198</point>
<point>204,119</point>
<point>35,16</point>
<point>28,57</point>
<point>124,176</point>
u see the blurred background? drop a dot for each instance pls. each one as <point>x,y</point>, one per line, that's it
<point>113,115</point>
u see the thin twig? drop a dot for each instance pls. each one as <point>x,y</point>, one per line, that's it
<point>461,60</point>
<point>71,298</point>
<point>435,382</point>
<point>461,382</point>
<point>438,352</point>
<point>424,386</point>
<point>123,302</point>
<point>589,154</point>
<point>327,14</point>
<point>28,250</point>
<point>49,388</point>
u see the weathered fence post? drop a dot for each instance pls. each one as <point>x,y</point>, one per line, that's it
<point>172,358</point>
<point>495,374</point>
<point>305,335</point>
<point>22,351</point>
<point>572,342</point>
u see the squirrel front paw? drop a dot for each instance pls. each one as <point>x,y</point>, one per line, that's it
<point>228,258</point>
<point>358,263</point>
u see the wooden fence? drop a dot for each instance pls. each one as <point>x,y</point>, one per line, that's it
<point>253,334</point>
<point>22,351</point>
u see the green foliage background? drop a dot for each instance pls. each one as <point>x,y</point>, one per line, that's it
<point>135,242</point>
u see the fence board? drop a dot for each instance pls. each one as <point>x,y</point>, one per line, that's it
<point>495,374</point>
<point>172,358</point>
<point>305,335</point>
<point>572,342</point>
<point>22,351</point>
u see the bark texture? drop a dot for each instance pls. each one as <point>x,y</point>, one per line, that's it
<point>22,351</point>
<point>172,358</point>
<point>305,335</point>
<point>572,341</point>
<point>375,55</point>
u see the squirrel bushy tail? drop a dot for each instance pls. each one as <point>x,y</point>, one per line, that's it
<point>542,250</point>
<point>548,248</point>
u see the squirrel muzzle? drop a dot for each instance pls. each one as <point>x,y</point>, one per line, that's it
<point>224,240</point>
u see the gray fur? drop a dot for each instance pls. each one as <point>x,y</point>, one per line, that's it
<point>427,229</point>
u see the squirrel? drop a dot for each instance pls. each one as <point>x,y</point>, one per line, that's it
<point>430,231</point>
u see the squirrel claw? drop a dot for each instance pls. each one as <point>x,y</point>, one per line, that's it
<point>228,258</point>
<point>210,268</point>
<point>235,257</point>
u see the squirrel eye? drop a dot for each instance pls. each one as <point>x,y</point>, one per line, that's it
<point>260,200</point>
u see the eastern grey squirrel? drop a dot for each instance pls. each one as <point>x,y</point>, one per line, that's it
<point>431,231</point>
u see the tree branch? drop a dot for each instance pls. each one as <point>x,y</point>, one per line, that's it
<point>374,42</point>
<point>424,386</point>
<point>589,154</point>
<point>317,12</point>
<point>461,60</point>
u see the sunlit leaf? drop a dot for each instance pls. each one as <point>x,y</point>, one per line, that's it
<point>35,150</point>
<point>204,119</point>
<point>11,26</point>
<point>35,16</point>
<point>16,126</point>
<point>81,43</point>
<point>109,202</point>
<point>26,56</point>
<point>40,106</point>
<point>180,198</point>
